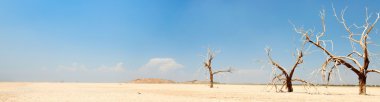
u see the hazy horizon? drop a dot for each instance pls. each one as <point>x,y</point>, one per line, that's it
<point>122,40</point>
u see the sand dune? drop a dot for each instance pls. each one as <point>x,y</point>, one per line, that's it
<point>129,92</point>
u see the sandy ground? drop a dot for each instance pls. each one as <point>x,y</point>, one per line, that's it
<point>117,92</point>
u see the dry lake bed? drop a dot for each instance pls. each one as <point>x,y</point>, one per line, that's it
<point>128,92</point>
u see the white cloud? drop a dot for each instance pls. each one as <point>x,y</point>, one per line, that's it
<point>161,64</point>
<point>119,67</point>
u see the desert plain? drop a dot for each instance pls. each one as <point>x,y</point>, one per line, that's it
<point>132,92</point>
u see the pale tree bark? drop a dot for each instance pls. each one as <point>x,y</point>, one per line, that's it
<point>286,78</point>
<point>208,65</point>
<point>356,60</point>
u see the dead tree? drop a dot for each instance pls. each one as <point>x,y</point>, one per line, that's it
<point>286,78</point>
<point>356,60</point>
<point>208,65</point>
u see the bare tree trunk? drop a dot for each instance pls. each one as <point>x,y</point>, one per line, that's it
<point>289,84</point>
<point>286,77</point>
<point>207,65</point>
<point>362,84</point>
<point>211,79</point>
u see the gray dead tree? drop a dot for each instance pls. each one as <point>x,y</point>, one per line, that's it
<point>357,60</point>
<point>208,65</point>
<point>286,78</point>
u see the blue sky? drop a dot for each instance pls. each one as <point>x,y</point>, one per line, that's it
<point>120,40</point>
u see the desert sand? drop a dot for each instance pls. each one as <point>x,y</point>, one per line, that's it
<point>129,92</point>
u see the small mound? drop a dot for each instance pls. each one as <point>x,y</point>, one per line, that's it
<point>152,81</point>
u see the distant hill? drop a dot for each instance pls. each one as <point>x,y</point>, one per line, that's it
<point>152,81</point>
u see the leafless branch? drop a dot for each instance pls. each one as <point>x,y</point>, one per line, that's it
<point>276,64</point>
<point>373,70</point>
<point>303,81</point>
<point>307,85</point>
<point>299,61</point>
<point>222,71</point>
<point>356,53</point>
<point>330,72</point>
